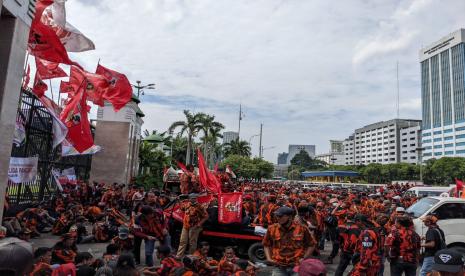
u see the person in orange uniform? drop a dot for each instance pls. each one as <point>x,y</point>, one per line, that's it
<point>368,247</point>
<point>195,216</point>
<point>287,243</point>
<point>227,265</point>
<point>42,260</point>
<point>349,234</point>
<point>187,180</point>
<point>65,250</point>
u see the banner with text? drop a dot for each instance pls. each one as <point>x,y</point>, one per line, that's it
<point>230,208</point>
<point>23,169</point>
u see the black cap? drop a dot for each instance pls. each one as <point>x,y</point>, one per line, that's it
<point>448,260</point>
<point>284,211</point>
<point>361,217</point>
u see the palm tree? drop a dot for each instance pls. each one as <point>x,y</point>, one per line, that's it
<point>190,126</point>
<point>237,147</point>
<point>179,147</point>
<point>211,130</point>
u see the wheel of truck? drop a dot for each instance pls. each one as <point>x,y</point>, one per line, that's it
<point>256,252</point>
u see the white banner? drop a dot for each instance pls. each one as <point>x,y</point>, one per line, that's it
<point>23,169</point>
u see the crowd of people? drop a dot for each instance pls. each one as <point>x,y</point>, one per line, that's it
<point>368,229</point>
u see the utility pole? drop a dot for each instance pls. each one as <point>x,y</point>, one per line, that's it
<point>240,118</point>
<point>260,145</point>
<point>398,95</point>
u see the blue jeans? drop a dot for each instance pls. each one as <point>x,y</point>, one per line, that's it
<point>283,271</point>
<point>427,266</point>
<point>150,247</point>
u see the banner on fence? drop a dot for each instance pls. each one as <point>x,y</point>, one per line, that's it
<point>68,150</point>
<point>56,176</point>
<point>23,169</point>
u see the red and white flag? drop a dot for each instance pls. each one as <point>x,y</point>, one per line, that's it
<point>43,42</point>
<point>94,85</point>
<point>230,208</point>
<point>119,91</point>
<point>75,117</point>
<point>59,129</point>
<point>458,187</point>
<point>27,77</point>
<point>72,39</point>
<point>49,70</point>
<point>230,171</point>
<point>39,87</point>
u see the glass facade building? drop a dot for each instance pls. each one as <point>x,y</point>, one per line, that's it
<point>443,96</point>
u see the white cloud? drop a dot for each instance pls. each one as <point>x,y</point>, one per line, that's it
<point>309,70</point>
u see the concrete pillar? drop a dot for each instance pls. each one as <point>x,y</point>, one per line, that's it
<point>13,44</point>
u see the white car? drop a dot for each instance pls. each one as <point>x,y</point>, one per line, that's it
<point>451,214</point>
<point>422,191</point>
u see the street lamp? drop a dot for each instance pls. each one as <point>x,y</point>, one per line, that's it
<point>250,139</point>
<point>420,160</point>
<point>262,149</point>
<point>140,87</point>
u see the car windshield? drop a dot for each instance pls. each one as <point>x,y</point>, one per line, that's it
<point>430,193</point>
<point>419,208</point>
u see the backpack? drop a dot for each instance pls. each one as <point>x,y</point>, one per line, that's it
<point>442,239</point>
<point>331,221</point>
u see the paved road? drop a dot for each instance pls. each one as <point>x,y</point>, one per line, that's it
<point>97,249</point>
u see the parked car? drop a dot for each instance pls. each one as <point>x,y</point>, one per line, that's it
<point>451,214</point>
<point>430,191</point>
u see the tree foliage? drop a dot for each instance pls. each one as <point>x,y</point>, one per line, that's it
<point>151,164</point>
<point>249,168</point>
<point>237,147</point>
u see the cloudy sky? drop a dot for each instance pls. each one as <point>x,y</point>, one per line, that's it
<point>310,71</point>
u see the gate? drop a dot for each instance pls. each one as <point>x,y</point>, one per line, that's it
<point>38,125</point>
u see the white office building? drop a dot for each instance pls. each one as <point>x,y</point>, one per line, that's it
<point>229,136</point>
<point>384,142</point>
<point>443,97</point>
<point>349,150</point>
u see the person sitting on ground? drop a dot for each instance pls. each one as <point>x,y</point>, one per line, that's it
<point>65,250</point>
<point>190,267</point>
<point>125,266</point>
<point>168,263</point>
<point>208,265</point>
<point>124,240</point>
<point>227,265</point>
<point>42,259</point>
<point>111,255</point>
<point>83,262</point>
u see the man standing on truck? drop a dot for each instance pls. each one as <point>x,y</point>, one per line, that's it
<point>195,216</point>
<point>287,243</point>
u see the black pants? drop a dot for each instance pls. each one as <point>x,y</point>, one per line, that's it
<point>136,252</point>
<point>398,268</point>
<point>333,233</point>
<point>344,261</point>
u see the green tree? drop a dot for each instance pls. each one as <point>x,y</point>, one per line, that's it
<point>237,147</point>
<point>151,164</point>
<point>244,166</point>
<point>178,146</point>
<point>305,162</point>
<point>191,125</point>
<point>294,174</point>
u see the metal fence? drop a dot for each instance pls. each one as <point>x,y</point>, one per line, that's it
<point>38,125</point>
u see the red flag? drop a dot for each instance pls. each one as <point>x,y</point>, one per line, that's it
<point>94,85</point>
<point>43,42</point>
<point>74,115</point>
<point>119,92</point>
<point>207,179</point>
<point>39,87</point>
<point>49,70</point>
<point>67,88</point>
<point>178,214</point>
<point>458,186</point>
<point>181,166</point>
<point>27,76</point>
<point>230,208</point>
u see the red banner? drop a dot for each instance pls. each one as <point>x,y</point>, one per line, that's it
<point>207,179</point>
<point>230,208</point>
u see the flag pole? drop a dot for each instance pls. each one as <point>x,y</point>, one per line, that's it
<point>51,89</point>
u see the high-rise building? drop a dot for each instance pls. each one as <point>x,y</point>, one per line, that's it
<point>282,158</point>
<point>385,142</point>
<point>229,136</point>
<point>336,146</point>
<point>443,96</point>
<point>295,149</point>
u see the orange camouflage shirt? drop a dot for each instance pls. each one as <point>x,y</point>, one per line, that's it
<point>288,246</point>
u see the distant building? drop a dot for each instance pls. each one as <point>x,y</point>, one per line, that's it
<point>280,171</point>
<point>384,142</point>
<point>349,150</point>
<point>295,149</point>
<point>336,146</point>
<point>282,158</point>
<point>119,134</point>
<point>229,136</point>
<point>336,154</point>
<point>443,97</point>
